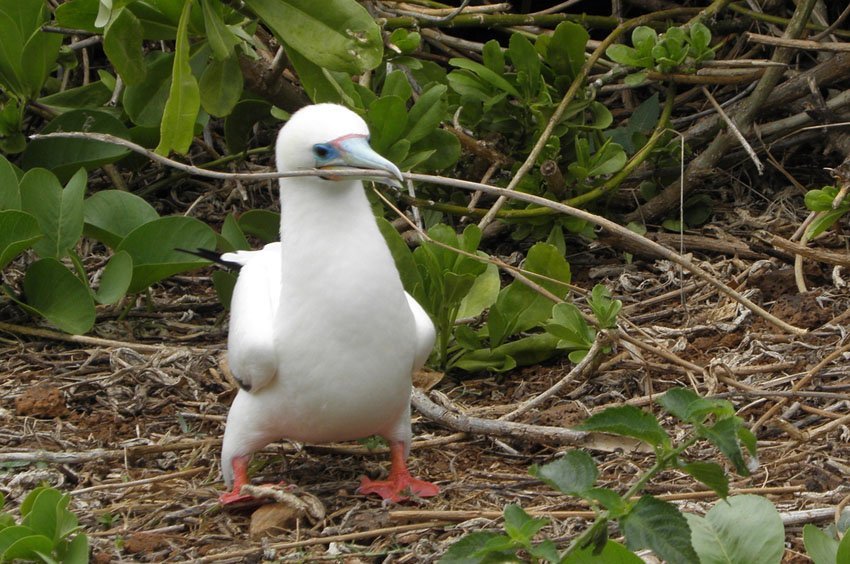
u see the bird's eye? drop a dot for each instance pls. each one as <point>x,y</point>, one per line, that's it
<point>322,151</point>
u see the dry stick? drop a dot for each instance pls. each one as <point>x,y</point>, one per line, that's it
<point>799,384</point>
<point>83,340</point>
<point>640,241</point>
<point>372,533</point>
<point>735,131</point>
<point>820,255</point>
<point>123,485</point>
<point>577,371</point>
<point>796,43</point>
<point>577,83</point>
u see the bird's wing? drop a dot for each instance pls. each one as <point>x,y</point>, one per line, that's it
<point>425,333</point>
<point>250,343</point>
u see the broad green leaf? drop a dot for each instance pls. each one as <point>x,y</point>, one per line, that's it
<point>521,526</point>
<point>482,294</point>
<point>42,515</point>
<point>526,61</point>
<point>724,435</point>
<point>710,474</point>
<point>405,40</point>
<point>487,75</point>
<point>59,211</point>
<point>221,39</point>
<point>658,525</point>
<point>820,547</point>
<point>612,553</point>
<point>627,421</point>
<point>78,14</point>
<point>221,86</point>
<point>565,52</point>
<point>10,193</point>
<point>184,99</point>
<point>843,553</point>
<point>145,102</point>
<point>55,293</point>
<point>153,249</point>
<point>233,235</point>
<point>339,35</point>
<point>28,548</point>
<point>261,223</point>
<point>445,146</point>
<point>9,535</point>
<point>473,547</point>
<point>239,124</point>
<point>427,113</point>
<point>11,49</point>
<point>494,58</point>
<point>396,84</point>
<point>77,551</point>
<point>110,215</point>
<point>18,231</point>
<point>403,258</point>
<point>821,200</point>
<point>824,221</point>
<point>573,474</point>
<point>63,156</point>
<point>38,59</point>
<point>92,95</point>
<point>122,43</point>
<point>743,528</point>
<point>115,279</point>
<point>387,120</point>
<point>570,327</point>
<point>317,82</point>
<point>224,282</point>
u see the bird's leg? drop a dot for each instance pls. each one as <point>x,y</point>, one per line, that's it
<point>240,478</point>
<point>400,485</point>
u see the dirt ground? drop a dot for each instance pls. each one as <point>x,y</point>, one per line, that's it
<point>131,425</point>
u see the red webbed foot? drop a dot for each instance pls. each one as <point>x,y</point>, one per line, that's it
<point>400,485</point>
<point>240,479</point>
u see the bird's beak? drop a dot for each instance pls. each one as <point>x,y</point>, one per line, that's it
<point>355,151</point>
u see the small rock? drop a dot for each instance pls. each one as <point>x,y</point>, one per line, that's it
<point>142,543</point>
<point>41,401</point>
<point>272,519</point>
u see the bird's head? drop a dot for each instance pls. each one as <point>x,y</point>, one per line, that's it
<point>328,136</point>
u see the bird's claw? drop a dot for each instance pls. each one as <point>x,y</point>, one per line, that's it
<point>398,489</point>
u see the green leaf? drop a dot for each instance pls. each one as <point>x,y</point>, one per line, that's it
<point>10,193</point>
<point>239,124</point>
<point>743,528</point>
<point>110,215</point>
<point>526,61</point>
<point>387,120</point>
<point>473,548</point>
<point>482,294</point>
<point>64,157</point>
<point>627,421</point>
<point>824,221</point>
<point>573,474</point>
<point>604,307</point>
<point>565,52</point>
<point>570,327</point>
<point>221,86</point>
<point>724,435</point>
<point>224,282</point>
<point>38,59</point>
<point>427,113</point>
<point>115,279</point>
<point>145,102</point>
<point>494,58</point>
<point>53,292</point>
<point>18,231</point>
<point>843,553</point>
<point>820,547</point>
<point>232,233</point>
<point>487,75</point>
<point>396,84</point>
<point>153,249</point>
<point>521,526</point>
<point>612,553</point>
<point>658,525</point>
<point>28,548</point>
<point>445,146</point>
<point>184,99</point>
<point>261,223</point>
<point>92,95</point>
<point>122,43</point>
<point>221,39</point>
<point>59,211</point>
<point>77,551</point>
<point>339,35</point>
<point>42,514</point>
<point>710,474</point>
<point>11,51</point>
<point>10,535</point>
<point>821,200</point>
<point>405,40</point>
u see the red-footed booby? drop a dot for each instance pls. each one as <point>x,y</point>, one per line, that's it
<point>323,338</point>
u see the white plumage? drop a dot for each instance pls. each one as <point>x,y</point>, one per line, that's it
<point>323,337</point>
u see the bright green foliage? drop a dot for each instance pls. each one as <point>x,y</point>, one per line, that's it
<point>822,546</point>
<point>648,522</point>
<point>743,528</point>
<point>48,532</point>
<point>821,201</point>
<point>676,50</point>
